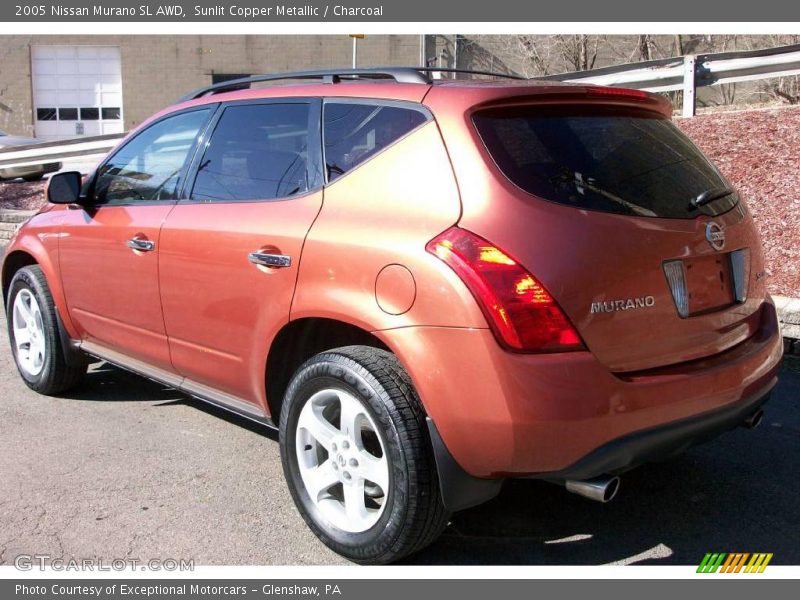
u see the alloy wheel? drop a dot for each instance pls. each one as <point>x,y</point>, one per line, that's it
<point>342,460</point>
<point>29,337</point>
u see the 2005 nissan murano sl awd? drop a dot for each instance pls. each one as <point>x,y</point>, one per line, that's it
<point>428,285</point>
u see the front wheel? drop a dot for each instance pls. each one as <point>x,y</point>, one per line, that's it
<point>35,337</point>
<point>357,457</point>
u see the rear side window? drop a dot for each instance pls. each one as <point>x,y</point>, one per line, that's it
<point>257,152</point>
<point>633,163</point>
<point>355,132</point>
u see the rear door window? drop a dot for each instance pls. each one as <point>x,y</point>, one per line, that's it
<point>606,159</point>
<point>355,132</point>
<point>257,152</point>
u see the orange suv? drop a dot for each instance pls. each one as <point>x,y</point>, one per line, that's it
<point>429,286</point>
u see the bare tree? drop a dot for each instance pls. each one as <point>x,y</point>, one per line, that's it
<point>579,52</point>
<point>646,47</point>
<point>526,55</point>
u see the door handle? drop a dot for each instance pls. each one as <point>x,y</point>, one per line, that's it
<point>265,259</point>
<point>141,245</point>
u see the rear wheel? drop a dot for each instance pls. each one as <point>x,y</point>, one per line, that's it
<point>357,457</point>
<point>34,335</point>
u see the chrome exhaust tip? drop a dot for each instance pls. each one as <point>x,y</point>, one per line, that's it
<point>599,489</point>
<point>754,420</point>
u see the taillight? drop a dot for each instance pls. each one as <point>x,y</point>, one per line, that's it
<point>522,313</point>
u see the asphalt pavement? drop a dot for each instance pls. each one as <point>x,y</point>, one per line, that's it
<point>124,468</point>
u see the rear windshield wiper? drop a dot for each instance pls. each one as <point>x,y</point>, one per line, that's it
<point>589,183</point>
<point>709,196</point>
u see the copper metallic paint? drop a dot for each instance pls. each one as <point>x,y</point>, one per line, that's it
<point>535,413</point>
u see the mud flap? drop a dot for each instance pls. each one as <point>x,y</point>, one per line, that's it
<point>459,489</point>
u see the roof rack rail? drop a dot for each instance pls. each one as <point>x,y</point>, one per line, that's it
<point>470,72</point>
<point>398,74</point>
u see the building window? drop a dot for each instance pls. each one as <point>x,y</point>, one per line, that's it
<point>223,77</point>
<point>111,112</point>
<point>67,114</point>
<point>90,114</point>
<point>46,114</point>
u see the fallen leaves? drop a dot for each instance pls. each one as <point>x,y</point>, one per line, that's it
<point>22,195</point>
<point>759,152</point>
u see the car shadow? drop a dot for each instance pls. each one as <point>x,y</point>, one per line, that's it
<point>108,383</point>
<point>729,496</point>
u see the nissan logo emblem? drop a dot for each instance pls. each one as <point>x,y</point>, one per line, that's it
<point>715,235</point>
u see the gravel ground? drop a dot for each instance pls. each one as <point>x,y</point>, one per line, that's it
<point>123,467</point>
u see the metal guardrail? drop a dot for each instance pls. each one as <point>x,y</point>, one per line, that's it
<point>55,151</point>
<point>689,72</point>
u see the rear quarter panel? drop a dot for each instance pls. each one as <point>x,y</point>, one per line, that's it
<point>383,213</point>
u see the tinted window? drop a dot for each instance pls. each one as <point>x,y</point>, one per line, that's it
<point>46,114</point>
<point>355,132</point>
<point>90,114</point>
<point>223,77</point>
<point>112,113</point>
<point>149,166</point>
<point>628,163</point>
<point>68,114</point>
<point>257,152</point>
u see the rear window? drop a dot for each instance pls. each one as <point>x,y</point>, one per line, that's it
<point>632,163</point>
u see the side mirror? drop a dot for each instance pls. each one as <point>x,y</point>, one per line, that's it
<point>64,188</point>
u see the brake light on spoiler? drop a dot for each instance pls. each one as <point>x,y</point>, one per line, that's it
<point>617,92</point>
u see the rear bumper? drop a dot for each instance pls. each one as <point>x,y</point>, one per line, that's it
<point>661,442</point>
<point>562,416</point>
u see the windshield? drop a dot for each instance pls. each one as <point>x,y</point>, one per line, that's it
<point>603,158</point>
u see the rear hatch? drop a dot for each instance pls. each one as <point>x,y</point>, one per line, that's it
<point>633,231</point>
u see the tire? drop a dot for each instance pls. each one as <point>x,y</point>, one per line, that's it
<point>402,506</point>
<point>49,375</point>
<point>31,178</point>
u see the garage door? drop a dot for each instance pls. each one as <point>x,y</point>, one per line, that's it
<point>77,90</point>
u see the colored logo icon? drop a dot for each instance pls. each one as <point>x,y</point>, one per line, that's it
<point>737,562</point>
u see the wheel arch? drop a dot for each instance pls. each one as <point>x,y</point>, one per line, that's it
<point>27,251</point>
<point>300,339</point>
<point>303,338</point>
<point>14,261</point>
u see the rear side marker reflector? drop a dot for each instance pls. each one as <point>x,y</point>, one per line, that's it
<point>740,270</point>
<point>676,278</point>
<point>521,312</point>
